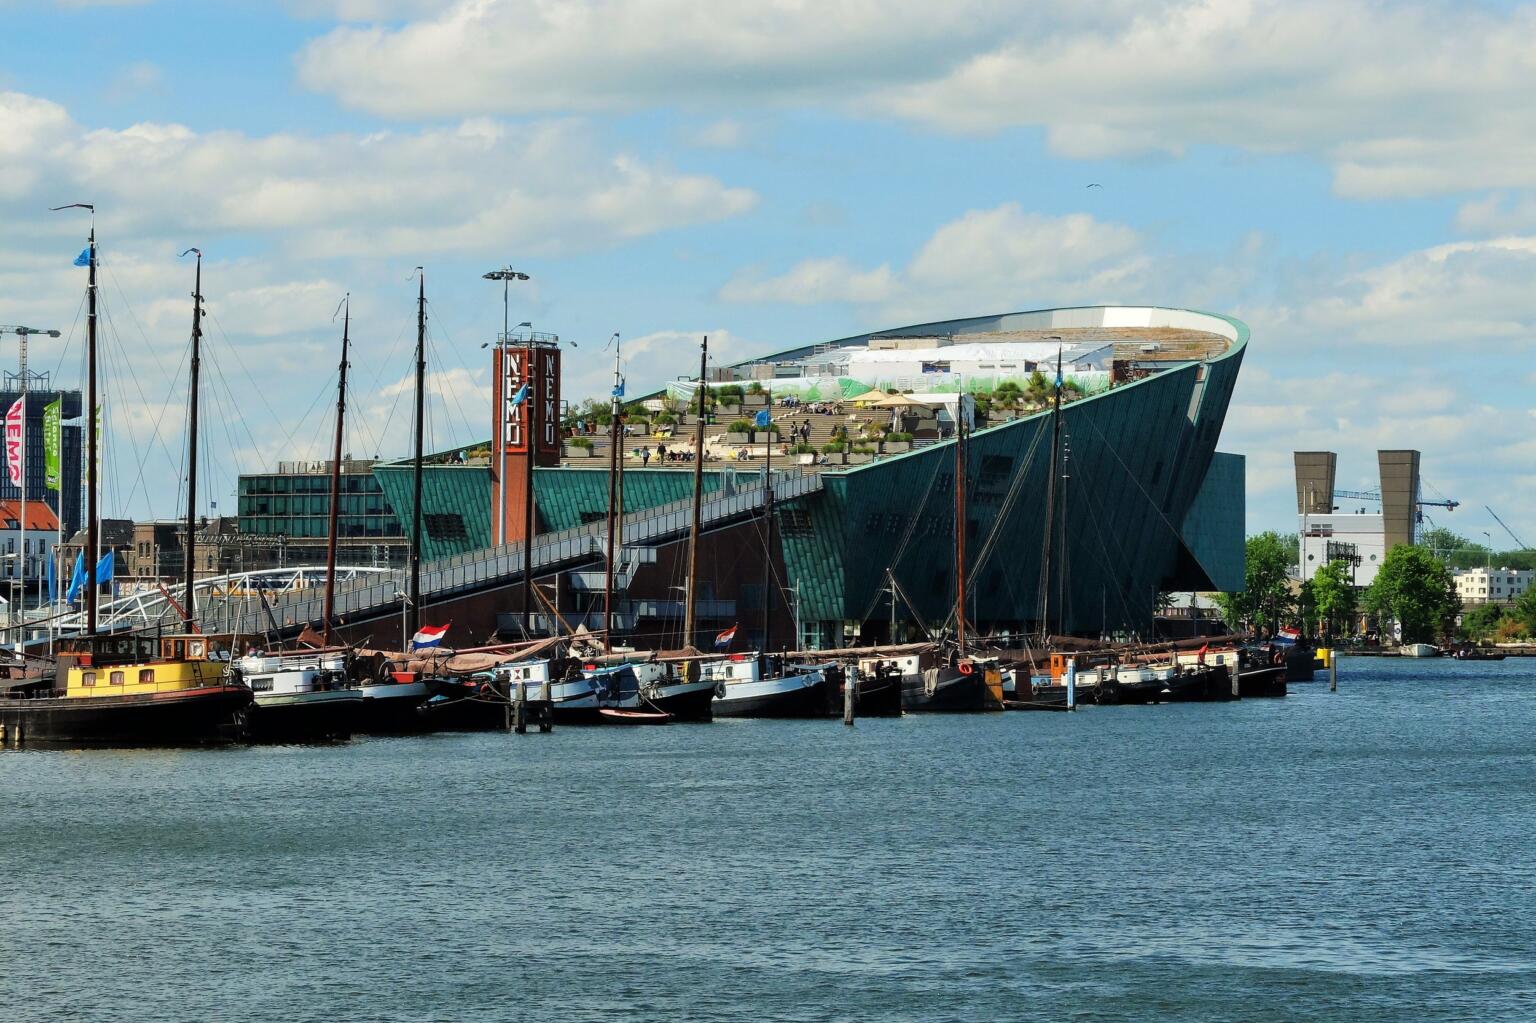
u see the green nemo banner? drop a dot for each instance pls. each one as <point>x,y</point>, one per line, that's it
<point>52,438</point>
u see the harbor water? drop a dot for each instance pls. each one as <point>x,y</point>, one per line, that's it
<point>1364,855</point>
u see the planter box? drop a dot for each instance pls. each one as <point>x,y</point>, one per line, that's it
<point>576,452</point>
<point>738,438</point>
<point>896,447</point>
<point>755,400</point>
<point>854,458</point>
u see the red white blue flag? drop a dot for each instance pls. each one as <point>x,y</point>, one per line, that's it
<point>724,639</point>
<point>429,636</point>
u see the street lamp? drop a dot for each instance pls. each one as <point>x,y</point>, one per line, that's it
<point>506,275</point>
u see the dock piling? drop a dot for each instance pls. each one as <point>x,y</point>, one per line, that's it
<point>1333,672</point>
<point>546,708</point>
<point>850,694</point>
<point>520,710</point>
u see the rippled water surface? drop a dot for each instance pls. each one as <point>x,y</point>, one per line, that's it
<point>1365,855</point>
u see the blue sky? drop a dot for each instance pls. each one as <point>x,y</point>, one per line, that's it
<point>1354,179</point>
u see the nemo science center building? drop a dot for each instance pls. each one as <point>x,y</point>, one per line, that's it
<point>862,540</point>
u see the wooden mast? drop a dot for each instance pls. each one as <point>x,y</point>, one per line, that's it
<point>189,560</point>
<point>335,508</point>
<point>93,442</point>
<point>1050,509</point>
<point>768,537</point>
<point>615,458</point>
<point>689,621</point>
<point>960,418</point>
<point>413,616</point>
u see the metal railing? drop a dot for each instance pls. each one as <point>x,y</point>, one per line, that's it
<point>499,566</point>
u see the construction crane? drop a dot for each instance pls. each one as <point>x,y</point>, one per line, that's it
<point>1523,545</point>
<point>1375,495</point>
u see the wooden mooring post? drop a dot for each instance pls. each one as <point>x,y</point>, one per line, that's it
<point>520,709</point>
<point>546,708</point>
<point>1333,671</point>
<point>850,694</point>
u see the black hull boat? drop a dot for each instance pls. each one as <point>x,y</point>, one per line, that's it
<point>322,716</point>
<point>1210,683</point>
<point>1261,682</point>
<point>806,695</point>
<point>464,705</point>
<point>948,691</point>
<point>879,694</point>
<point>393,708</point>
<point>1300,663</point>
<point>684,701</point>
<point>178,718</point>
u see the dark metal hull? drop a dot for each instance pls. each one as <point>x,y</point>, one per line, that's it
<point>1300,664</point>
<point>1259,683</point>
<point>689,702</point>
<point>393,709</point>
<point>952,693</point>
<point>878,697</point>
<point>1210,684</point>
<point>325,716</point>
<point>184,718</point>
<point>808,701</point>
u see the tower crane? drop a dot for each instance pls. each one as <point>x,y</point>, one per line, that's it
<point>1523,545</point>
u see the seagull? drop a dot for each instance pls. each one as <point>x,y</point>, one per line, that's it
<point>1095,185</point>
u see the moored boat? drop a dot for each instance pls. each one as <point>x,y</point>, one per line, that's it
<point>765,686</point>
<point>130,691</point>
<point>299,696</point>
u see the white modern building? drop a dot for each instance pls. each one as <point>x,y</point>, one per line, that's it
<point>1492,585</point>
<point>1331,536</point>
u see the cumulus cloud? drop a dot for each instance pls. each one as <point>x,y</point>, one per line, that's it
<point>989,260</point>
<point>423,191</point>
<point>1328,77</point>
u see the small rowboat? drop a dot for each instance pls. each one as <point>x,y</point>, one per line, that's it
<point>614,715</point>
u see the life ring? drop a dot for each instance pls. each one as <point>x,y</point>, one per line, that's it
<point>1277,658</point>
<point>966,667</point>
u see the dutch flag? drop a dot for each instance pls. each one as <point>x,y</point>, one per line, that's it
<point>724,639</point>
<point>1288,636</point>
<point>429,636</point>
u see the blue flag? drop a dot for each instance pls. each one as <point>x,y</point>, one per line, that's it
<point>84,259</point>
<point>521,395</point>
<point>76,578</point>
<point>618,391</point>
<point>53,582</point>
<point>762,419</point>
<point>1058,376</point>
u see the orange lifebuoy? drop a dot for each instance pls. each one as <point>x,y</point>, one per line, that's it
<point>966,668</point>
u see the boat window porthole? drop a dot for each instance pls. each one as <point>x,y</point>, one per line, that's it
<point>88,678</point>
<point>117,678</point>
<point>147,675</point>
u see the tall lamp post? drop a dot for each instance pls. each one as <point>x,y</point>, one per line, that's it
<point>506,275</point>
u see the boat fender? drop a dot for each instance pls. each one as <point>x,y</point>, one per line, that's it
<point>720,690</point>
<point>966,667</point>
<point>1277,658</point>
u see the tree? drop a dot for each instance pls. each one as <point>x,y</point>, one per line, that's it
<point>1334,595</point>
<point>1453,548</point>
<point>1414,588</point>
<point>1481,622</point>
<point>1266,597</point>
<point>1524,611</point>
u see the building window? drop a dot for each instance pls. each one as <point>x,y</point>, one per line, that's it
<point>445,527</point>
